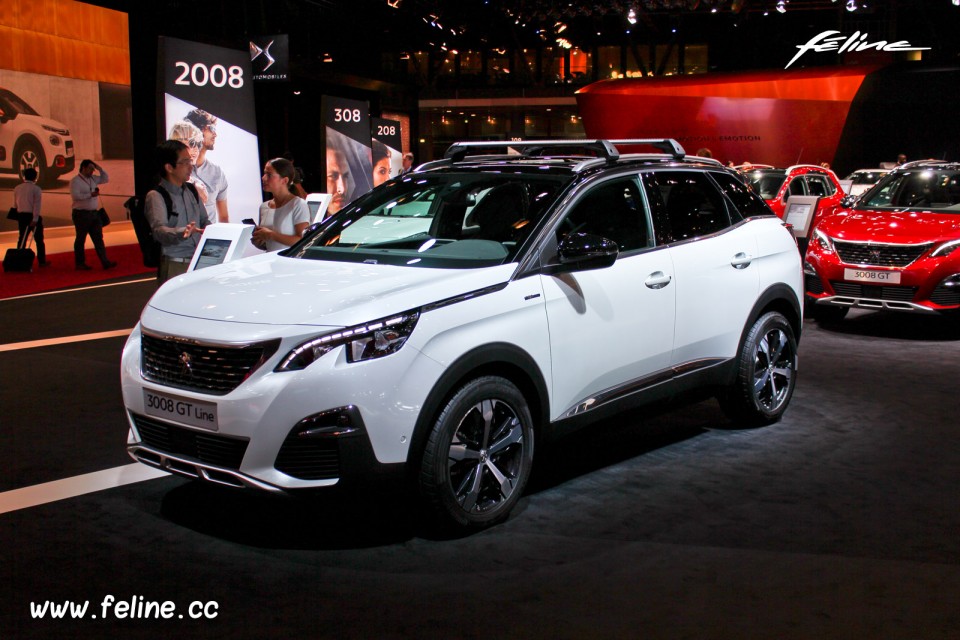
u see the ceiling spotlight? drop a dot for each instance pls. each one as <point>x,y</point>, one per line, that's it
<point>394,3</point>
<point>632,15</point>
<point>956,3</point>
<point>851,5</point>
<point>781,6</point>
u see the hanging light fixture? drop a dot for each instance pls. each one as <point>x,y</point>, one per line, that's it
<point>851,5</point>
<point>632,15</point>
<point>781,6</point>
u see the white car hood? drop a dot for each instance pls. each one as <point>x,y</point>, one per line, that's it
<point>276,290</point>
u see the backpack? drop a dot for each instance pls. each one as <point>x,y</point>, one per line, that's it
<point>149,246</point>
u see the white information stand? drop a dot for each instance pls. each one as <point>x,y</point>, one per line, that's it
<point>223,242</point>
<point>800,212</point>
<point>318,203</point>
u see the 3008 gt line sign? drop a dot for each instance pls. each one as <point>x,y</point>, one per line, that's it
<point>880,277</point>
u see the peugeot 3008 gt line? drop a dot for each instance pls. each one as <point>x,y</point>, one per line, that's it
<point>445,322</point>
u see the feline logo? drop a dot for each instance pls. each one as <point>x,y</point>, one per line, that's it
<point>827,41</point>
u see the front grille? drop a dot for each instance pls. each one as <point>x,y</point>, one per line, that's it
<point>946,296</point>
<point>212,369</point>
<point>211,448</point>
<point>812,283</point>
<point>309,458</point>
<point>879,255</point>
<point>872,291</point>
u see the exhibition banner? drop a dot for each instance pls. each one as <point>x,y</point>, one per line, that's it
<point>208,105</point>
<point>348,164</point>
<point>387,154</point>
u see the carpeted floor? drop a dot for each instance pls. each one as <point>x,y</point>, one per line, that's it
<point>61,273</point>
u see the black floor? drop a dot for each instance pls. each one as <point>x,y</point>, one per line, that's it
<point>839,522</point>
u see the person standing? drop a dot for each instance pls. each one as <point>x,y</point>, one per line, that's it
<point>179,226</point>
<point>85,190</point>
<point>210,174</point>
<point>407,163</point>
<point>284,217</point>
<point>26,198</point>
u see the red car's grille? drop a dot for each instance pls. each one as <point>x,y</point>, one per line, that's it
<point>880,255</point>
<point>872,291</point>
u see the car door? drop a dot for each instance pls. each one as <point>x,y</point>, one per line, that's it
<point>716,278</point>
<point>611,329</point>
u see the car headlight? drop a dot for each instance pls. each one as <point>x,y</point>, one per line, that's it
<point>823,240</point>
<point>364,342</point>
<point>55,141</point>
<point>945,249</point>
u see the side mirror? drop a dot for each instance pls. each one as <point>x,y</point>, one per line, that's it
<point>584,251</point>
<point>848,201</point>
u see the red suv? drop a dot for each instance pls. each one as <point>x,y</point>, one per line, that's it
<point>895,248</point>
<point>776,186</point>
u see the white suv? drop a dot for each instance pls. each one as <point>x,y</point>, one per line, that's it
<point>31,141</point>
<point>448,320</point>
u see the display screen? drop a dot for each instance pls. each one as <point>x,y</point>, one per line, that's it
<point>212,252</point>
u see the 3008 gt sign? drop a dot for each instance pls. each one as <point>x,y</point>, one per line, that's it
<point>879,277</point>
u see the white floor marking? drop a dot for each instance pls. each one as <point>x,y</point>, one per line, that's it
<point>32,344</point>
<point>96,286</point>
<point>77,486</point>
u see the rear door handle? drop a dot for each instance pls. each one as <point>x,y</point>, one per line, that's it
<point>657,280</point>
<point>741,261</point>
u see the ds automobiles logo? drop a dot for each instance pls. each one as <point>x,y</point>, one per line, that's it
<point>827,41</point>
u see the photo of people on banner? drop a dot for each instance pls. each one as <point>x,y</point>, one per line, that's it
<point>387,156</point>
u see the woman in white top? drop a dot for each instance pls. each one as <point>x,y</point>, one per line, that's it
<point>284,217</point>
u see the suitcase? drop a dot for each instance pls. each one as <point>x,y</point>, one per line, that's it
<point>20,259</point>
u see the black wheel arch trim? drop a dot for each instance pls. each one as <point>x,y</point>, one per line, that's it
<point>499,359</point>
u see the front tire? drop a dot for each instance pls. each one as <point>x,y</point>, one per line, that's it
<point>29,155</point>
<point>479,455</point>
<point>766,373</point>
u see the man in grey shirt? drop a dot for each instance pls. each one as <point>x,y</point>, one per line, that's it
<point>212,176</point>
<point>178,230</point>
<point>85,191</point>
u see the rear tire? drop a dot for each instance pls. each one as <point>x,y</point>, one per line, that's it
<point>479,455</point>
<point>766,373</point>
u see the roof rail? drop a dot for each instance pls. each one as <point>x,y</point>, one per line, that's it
<point>605,149</point>
<point>458,150</point>
<point>666,145</point>
<point>920,163</point>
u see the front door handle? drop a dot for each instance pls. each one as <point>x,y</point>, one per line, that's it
<point>741,261</point>
<point>657,280</point>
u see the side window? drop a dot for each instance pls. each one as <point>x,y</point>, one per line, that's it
<point>692,205</point>
<point>614,210</point>
<point>815,186</point>
<point>747,202</point>
<point>818,185</point>
<point>796,187</point>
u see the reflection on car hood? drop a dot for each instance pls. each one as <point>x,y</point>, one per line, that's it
<point>909,227</point>
<point>271,289</point>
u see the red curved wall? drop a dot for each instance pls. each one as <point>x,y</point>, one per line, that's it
<point>769,117</point>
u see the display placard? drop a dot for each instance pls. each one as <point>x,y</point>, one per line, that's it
<point>800,212</point>
<point>208,105</point>
<point>318,204</point>
<point>387,153</point>
<point>222,243</point>
<point>347,160</point>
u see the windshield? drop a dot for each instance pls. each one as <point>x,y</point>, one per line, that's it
<point>450,220</point>
<point>927,189</point>
<point>766,183</point>
<point>866,177</point>
<point>17,103</point>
